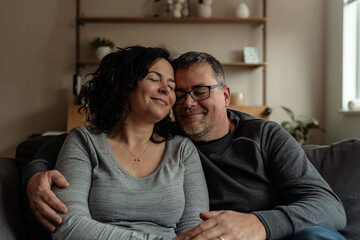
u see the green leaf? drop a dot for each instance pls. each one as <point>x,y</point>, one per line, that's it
<point>287,126</point>
<point>299,129</point>
<point>98,42</point>
<point>289,112</point>
<point>301,137</point>
<point>300,124</point>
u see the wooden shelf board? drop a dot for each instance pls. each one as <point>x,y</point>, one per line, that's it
<point>83,20</point>
<point>257,111</point>
<point>243,64</point>
<point>225,64</point>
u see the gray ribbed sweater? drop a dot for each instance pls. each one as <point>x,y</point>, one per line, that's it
<point>260,168</point>
<point>106,202</point>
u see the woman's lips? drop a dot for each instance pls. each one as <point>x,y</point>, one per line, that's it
<point>160,101</point>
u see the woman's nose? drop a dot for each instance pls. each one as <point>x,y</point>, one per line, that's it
<point>164,88</point>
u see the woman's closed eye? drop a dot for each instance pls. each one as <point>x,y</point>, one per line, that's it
<point>172,86</point>
<point>153,79</point>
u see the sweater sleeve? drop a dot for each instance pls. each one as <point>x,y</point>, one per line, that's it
<point>308,199</point>
<point>195,190</point>
<point>44,158</point>
<point>75,163</point>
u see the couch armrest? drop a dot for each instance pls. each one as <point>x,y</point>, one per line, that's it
<point>11,224</point>
<point>339,165</point>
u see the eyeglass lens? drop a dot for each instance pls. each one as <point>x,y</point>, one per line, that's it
<point>197,94</point>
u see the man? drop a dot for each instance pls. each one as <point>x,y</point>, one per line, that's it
<point>261,184</point>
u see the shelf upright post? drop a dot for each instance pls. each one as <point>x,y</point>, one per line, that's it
<point>77,78</point>
<point>264,51</point>
<point>77,37</point>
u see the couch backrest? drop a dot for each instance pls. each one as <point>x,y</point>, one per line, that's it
<point>339,165</point>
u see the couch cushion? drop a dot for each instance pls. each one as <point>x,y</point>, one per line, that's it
<point>339,165</point>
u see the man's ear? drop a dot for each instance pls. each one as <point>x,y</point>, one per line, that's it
<point>226,91</point>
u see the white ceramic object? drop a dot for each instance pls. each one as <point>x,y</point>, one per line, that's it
<point>207,2</point>
<point>204,11</point>
<point>178,6</point>
<point>237,99</point>
<point>177,13</point>
<point>185,12</point>
<point>242,11</point>
<point>354,105</point>
<point>102,51</point>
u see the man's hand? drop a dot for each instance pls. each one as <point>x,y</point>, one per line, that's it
<point>42,200</point>
<point>228,225</point>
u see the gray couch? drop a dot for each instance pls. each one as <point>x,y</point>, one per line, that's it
<point>338,163</point>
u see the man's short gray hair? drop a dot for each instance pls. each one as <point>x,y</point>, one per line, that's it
<point>189,59</point>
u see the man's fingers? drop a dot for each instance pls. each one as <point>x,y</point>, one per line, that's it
<point>224,236</point>
<point>59,179</point>
<point>45,223</point>
<point>45,215</point>
<point>43,202</point>
<point>53,201</point>
<point>210,233</point>
<point>201,228</point>
<point>43,211</point>
<point>206,215</point>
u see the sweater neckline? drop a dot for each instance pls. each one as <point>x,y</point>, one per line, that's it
<point>125,171</point>
<point>220,143</point>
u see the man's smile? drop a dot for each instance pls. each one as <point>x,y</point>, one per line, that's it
<point>192,114</point>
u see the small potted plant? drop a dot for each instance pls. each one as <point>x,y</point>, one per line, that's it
<point>299,129</point>
<point>103,46</point>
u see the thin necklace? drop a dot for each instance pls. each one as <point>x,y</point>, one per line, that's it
<point>136,158</point>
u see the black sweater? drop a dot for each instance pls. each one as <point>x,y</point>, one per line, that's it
<point>259,168</point>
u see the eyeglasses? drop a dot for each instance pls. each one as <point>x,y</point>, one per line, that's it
<point>198,93</point>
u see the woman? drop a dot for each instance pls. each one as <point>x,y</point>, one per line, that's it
<point>130,176</point>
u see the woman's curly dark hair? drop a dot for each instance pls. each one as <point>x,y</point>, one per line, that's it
<point>106,94</point>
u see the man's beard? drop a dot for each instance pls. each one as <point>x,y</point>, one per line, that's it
<point>195,131</point>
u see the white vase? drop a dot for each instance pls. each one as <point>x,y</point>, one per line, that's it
<point>102,51</point>
<point>242,11</point>
<point>207,2</point>
<point>204,11</point>
<point>237,99</point>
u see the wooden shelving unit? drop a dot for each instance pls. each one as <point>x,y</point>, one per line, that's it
<point>225,64</point>
<point>83,20</point>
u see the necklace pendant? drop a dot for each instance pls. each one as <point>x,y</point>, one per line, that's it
<point>137,158</point>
